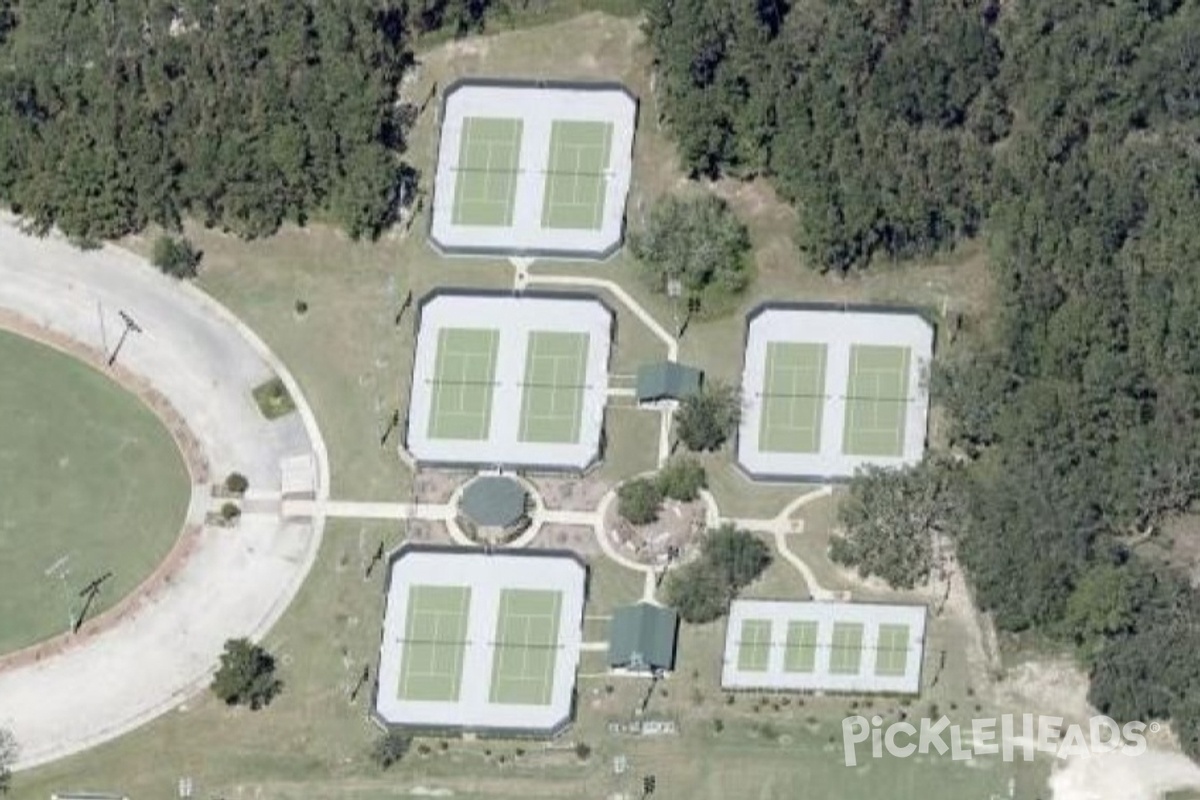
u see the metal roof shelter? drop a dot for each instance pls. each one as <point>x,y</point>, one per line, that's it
<point>642,638</point>
<point>494,501</point>
<point>667,380</point>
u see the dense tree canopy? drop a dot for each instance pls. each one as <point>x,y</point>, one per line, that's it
<point>114,115</point>
<point>1066,132</point>
<point>730,559</point>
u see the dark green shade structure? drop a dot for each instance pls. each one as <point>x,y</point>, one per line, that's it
<point>667,380</point>
<point>494,502</point>
<point>643,638</point>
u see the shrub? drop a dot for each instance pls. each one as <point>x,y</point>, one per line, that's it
<point>705,420</point>
<point>638,501</point>
<point>230,512</point>
<point>246,675</point>
<point>389,749</point>
<point>175,257</point>
<point>682,479</point>
<point>236,483</point>
<point>583,751</point>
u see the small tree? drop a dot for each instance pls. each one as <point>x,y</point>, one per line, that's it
<point>697,241</point>
<point>8,757</point>
<point>583,751</point>
<point>236,483</point>
<point>175,257</point>
<point>246,675</point>
<point>390,748</point>
<point>890,517</point>
<point>230,512</point>
<point>697,591</point>
<point>739,556</point>
<point>705,420</point>
<point>638,501</point>
<point>682,479</point>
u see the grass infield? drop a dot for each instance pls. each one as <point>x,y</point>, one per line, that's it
<point>91,483</point>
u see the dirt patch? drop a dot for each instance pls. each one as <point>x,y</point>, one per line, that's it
<point>577,538</point>
<point>677,530</point>
<point>423,531</point>
<point>570,494</point>
<point>435,487</point>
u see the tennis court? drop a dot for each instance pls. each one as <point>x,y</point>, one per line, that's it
<point>434,642</point>
<point>845,654</point>
<point>526,646</point>
<point>463,383</point>
<point>553,390</point>
<point>792,398</point>
<point>876,400</point>
<point>891,651</point>
<point>754,650</point>
<point>800,647</point>
<point>576,180</point>
<point>485,184</point>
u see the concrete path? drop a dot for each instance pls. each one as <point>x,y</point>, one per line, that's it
<point>780,526</point>
<point>233,582</point>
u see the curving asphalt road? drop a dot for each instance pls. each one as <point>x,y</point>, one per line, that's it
<point>233,583</point>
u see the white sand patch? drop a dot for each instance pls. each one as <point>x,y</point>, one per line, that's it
<point>1113,776</point>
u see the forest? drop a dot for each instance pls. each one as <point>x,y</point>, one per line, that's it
<point>1066,134</point>
<point>117,114</point>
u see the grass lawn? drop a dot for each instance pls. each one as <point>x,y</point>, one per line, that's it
<point>89,474</point>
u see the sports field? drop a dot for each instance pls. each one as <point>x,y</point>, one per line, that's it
<point>576,179</point>
<point>90,483</point>
<point>793,397</point>
<point>754,651</point>
<point>845,654</point>
<point>876,400</point>
<point>485,184</point>
<point>526,646</point>
<point>434,642</point>
<point>463,381</point>
<point>555,380</point>
<point>891,650</point>
<point>800,647</point>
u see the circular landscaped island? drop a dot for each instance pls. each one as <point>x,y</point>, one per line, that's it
<point>493,509</point>
<point>93,490</point>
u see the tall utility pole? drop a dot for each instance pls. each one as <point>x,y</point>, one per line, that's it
<point>130,325</point>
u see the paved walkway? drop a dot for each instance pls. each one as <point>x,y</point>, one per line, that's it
<point>231,583</point>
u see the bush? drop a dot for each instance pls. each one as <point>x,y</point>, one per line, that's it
<point>682,479</point>
<point>246,676</point>
<point>389,749</point>
<point>236,483</point>
<point>175,257</point>
<point>638,501</point>
<point>698,242</point>
<point>729,560</point>
<point>230,512</point>
<point>8,757</point>
<point>583,751</point>
<point>705,420</point>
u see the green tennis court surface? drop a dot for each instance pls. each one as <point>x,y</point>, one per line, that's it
<point>891,653</point>
<point>754,650</point>
<point>526,646</point>
<point>575,177</point>
<point>464,378</point>
<point>485,185</point>
<point>793,397</point>
<point>800,648</point>
<point>876,401</point>
<point>552,396</point>
<point>845,654</point>
<point>435,639</point>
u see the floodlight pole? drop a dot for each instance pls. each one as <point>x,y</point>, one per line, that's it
<point>130,325</point>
